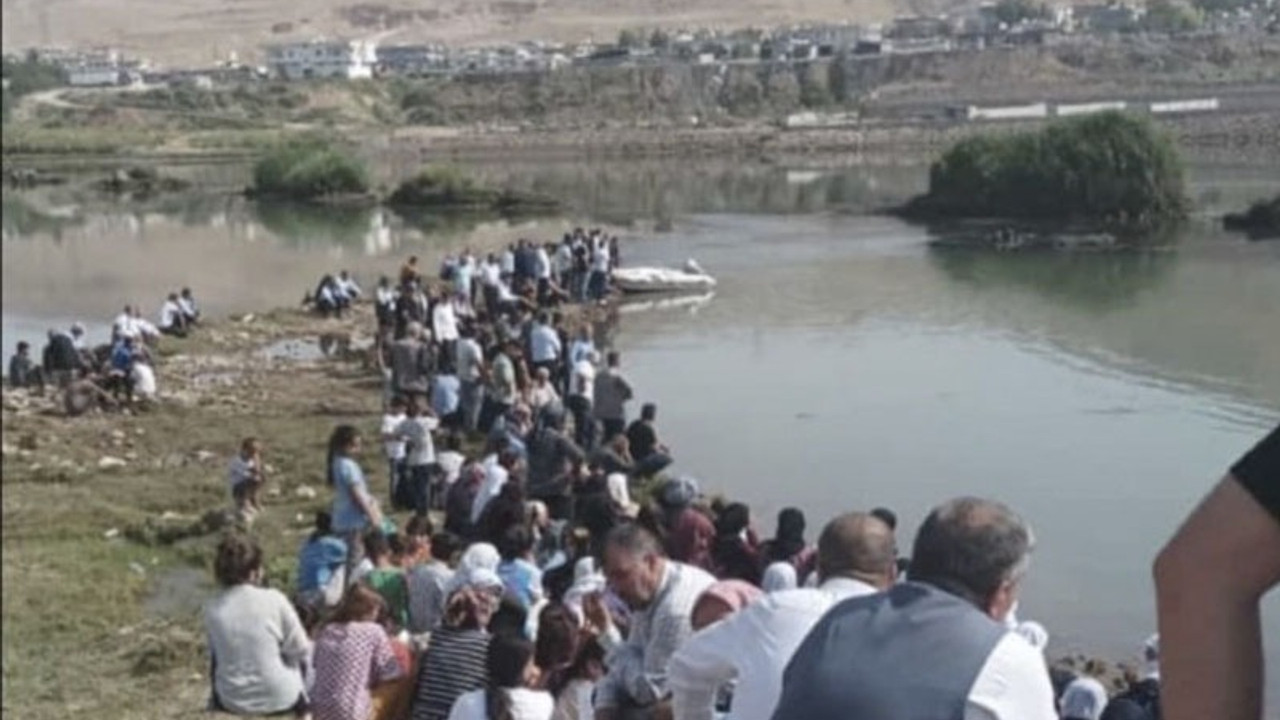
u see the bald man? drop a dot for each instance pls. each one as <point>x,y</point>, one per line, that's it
<point>857,556</point>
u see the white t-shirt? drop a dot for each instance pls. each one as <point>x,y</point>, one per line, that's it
<point>1012,685</point>
<point>495,476</point>
<point>390,426</point>
<point>422,451</point>
<point>125,325</point>
<point>490,274</point>
<point>451,462</point>
<point>584,380</point>
<point>170,313</point>
<point>600,260</point>
<point>525,705</point>
<point>445,322</point>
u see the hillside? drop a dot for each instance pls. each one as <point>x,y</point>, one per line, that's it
<point>199,31</point>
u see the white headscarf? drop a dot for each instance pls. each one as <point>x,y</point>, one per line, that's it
<point>1151,658</point>
<point>778,576</point>
<point>1084,699</point>
<point>478,557</point>
<point>586,580</point>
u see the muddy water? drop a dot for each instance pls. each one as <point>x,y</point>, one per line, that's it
<point>841,362</point>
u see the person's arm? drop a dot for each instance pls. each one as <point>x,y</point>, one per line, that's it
<point>360,496</point>
<point>383,666</point>
<point>646,683</point>
<point>701,666</point>
<point>1209,581</point>
<point>294,644</point>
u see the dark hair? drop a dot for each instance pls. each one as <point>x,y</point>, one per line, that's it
<point>324,524</point>
<point>648,411</point>
<point>887,516</point>
<point>357,604</point>
<point>376,545</point>
<point>613,358</point>
<point>789,539</point>
<point>969,547</point>
<point>733,519</point>
<point>453,442</point>
<point>339,440</point>
<point>509,655</point>
<point>558,637</point>
<point>515,542</point>
<point>510,618</point>
<point>238,557</point>
<point>464,609</point>
<point>398,401</point>
<point>23,345</point>
<point>444,545</point>
<point>419,526</point>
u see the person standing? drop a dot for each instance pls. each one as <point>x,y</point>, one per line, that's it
<point>394,444</point>
<point>503,389</point>
<point>582,383</point>
<point>879,655</point>
<point>62,362</point>
<point>354,508</point>
<point>469,362</point>
<point>411,364</point>
<point>420,463</point>
<point>610,395</point>
<point>245,477</point>
<point>23,372</point>
<point>544,345</point>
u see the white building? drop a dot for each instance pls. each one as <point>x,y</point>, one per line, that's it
<point>349,59</point>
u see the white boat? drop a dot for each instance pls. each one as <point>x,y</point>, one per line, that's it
<point>690,278</point>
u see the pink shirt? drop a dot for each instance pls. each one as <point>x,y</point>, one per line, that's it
<point>350,659</point>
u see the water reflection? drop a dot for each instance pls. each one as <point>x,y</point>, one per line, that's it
<point>1095,282</point>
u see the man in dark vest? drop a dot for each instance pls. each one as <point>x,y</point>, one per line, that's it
<point>934,647</point>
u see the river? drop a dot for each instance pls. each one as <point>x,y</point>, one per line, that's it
<point>841,363</point>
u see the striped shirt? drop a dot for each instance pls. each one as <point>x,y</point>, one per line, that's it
<point>349,659</point>
<point>455,662</point>
<point>638,666</point>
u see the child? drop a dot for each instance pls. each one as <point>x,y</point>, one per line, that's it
<point>394,443</point>
<point>245,477</point>
<point>387,577</point>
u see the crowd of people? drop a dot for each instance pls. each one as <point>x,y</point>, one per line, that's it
<point>111,375</point>
<point>528,584</point>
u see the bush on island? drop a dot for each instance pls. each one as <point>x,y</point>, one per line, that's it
<point>1110,169</point>
<point>309,170</point>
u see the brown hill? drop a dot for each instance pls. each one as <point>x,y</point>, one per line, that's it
<point>200,31</point>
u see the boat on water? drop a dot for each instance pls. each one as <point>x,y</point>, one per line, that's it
<point>690,278</point>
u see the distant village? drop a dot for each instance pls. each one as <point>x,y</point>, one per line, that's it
<point>1007,23</point>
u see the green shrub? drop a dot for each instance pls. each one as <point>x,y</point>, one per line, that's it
<point>442,187</point>
<point>1111,169</point>
<point>307,170</point>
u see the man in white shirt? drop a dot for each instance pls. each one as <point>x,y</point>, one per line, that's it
<point>934,646</point>
<point>173,321</point>
<point>190,310</point>
<point>124,325</point>
<point>579,400</point>
<point>497,469</point>
<point>856,557</point>
<point>348,287</point>
<point>544,345</point>
<point>420,459</point>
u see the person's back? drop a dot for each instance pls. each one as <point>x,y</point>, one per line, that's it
<point>61,353</point>
<point>408,365</point>
<point>453,664</point>
<point>933,648</point>
<point>349,658</point>
<point>610,394</point>
<point>1140,702</point>
<point>643,439</point>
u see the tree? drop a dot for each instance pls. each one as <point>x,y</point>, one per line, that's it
<point>629,39</point>
<point>659,39</point>
<point>1170,17</point>
<point>1012,12</point>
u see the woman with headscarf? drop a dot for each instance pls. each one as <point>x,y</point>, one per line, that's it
<point>1084,699</point>
<point>736,552</point>
<point>456,659</point>
<point>788,544</point>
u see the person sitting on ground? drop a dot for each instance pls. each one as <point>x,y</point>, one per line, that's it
<point>855,558</point>
<point>23,372</point>
<point>327,298</point>
<point>387,577</point>
<point>689,532</point>
<point>660,594</point>
<point>172,320</point>
<point>346,285</point>
<point>1084,699</point>
<point>788,544</point>
<point>352,655</point>
<point>968,563</point>
<point>651,456</point>
<point>62,362</point>
<point>455,662</point>
<point>146,331</point>
<point>245,477</point>
<point>144,376</point>
<point>519,574</point>
<point>509,695</point>
<point>735,553</point>
<point>257,644</point>
<point>1141,700</point>
<point>190,310</point>
<point>84,394</point>
<point>320,561</point>
<point>124,325</point>
<point>428,582</point>
<point>1210,579</point>
<point>615,456</point>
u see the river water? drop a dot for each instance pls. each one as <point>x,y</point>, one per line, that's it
<point>841,363</point>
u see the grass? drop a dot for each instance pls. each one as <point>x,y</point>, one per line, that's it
<point>79,635</point>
